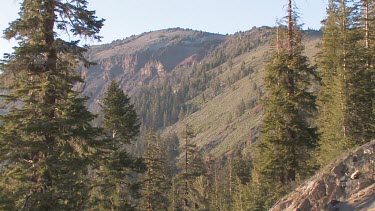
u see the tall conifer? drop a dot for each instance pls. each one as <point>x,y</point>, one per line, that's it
<point>116,177</point>
<point>346,97</point>
<point>284,154</point>
<point>156,185</point>
<point>331,98</point>
<point>192,166</point>
<point>360,83</point>
<point>46,139</point>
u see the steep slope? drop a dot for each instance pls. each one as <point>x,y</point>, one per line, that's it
<point>177,77</point>
<point>347,184</point>
<point>144,59</point>
<point>230,121</point>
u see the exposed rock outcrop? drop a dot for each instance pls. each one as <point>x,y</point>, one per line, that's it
<point>144,59</point>
<point>153,68</point>
<point>345,185</point>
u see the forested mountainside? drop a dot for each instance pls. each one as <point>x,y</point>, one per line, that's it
<point>224,122</point>
<point>177,76</point>
<point>145,59</point>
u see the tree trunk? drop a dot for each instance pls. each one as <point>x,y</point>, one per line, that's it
<point>343,76</point>
<point>367,32</point>
<point>149,203</point>
<point>186,168</point>
<point>290,27</point>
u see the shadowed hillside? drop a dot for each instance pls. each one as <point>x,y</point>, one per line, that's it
<point>141,60</point>
<point>176,77</point>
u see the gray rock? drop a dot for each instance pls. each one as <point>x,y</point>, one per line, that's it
<point>347,184</point>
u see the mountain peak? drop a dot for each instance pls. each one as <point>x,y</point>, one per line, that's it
<point>153,40</point>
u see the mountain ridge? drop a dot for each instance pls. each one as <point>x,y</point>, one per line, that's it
<point>142,59</point>
<point>148,38</point>
<point>186,74</point>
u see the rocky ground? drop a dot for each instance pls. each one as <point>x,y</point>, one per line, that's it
<point>345,185</point>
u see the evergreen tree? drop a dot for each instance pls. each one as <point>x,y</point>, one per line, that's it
<point>200,193</point>
<point>331,98</point>
<point>120,118</point>
<point>360,74</point>
<point>192,167</point>
<point>288,139</point>
<point>116,176</point>
<point>46,139</point>
<point>242,169</point>
<point>255,196</point>
<point>345,100</point>
<point>171,146</point>
<point>239,196</point>
<point>156,184</point>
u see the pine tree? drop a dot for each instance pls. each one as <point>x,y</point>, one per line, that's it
<point>345,100</point>
<point>288,139</point>
<point>360,84</point>
<point>120,118</point>
<point>192,166</point>
<point>171,146</point>
<point>156,185</point>
<point>200,193</point>
<point>331,98</point>
<point>46,139</point>
<point>241,177</point>
<point>116,176</point>
<point>255,196</point>
<point>239,196</point>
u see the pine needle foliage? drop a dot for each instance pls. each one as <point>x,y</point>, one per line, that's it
<point>156,185</point>
<point>346,117</point>
<point>117,185</point>
<point>192,166</point>
<point>288,138</point>
<point>46,139</point>
<point>120,118</point>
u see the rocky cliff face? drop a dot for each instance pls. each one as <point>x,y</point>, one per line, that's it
<point>347,184</point>
<point>200,78</point>
<point>144,59</point>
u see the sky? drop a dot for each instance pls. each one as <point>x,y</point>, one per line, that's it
<point>132,17</point>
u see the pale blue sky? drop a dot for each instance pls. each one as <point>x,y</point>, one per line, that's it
<point>132,17</point>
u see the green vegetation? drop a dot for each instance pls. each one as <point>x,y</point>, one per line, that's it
<point>191,181</point>
<point>346,98</point>
<point>288,139</point>
<point>156,184</point>
<point>235,131</point>
<point>115,184</point>
<point>48,142</point>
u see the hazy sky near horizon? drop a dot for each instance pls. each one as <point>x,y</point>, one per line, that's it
<point>131,17</point>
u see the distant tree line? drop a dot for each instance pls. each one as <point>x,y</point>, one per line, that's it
<point>164,104</point>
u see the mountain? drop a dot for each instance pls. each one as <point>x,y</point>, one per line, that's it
<point>177,76</point>
<point>345,185</point>
<point>141,60</point>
